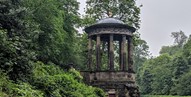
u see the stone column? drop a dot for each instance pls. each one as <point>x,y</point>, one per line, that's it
<point>130,55</point>
<point>120,55</point>
<point>90,54</point>
<point>108,49</point>
<point>111,52</point>
<point>98,58</point>
<point>123,53</point>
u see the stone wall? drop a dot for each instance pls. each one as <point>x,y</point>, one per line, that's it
<point>121,82</point>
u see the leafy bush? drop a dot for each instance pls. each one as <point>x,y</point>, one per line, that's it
<point>6,85</point>
<point>184,84</point>
<point>54,82</point>
<point>11,89</point>
<point>162,96</point>
<point>48,81</point>
<point>26,90</point>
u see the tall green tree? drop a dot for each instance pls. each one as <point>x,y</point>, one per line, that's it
<point>155,75</point>
<point>184,84</point>
<point>145,77</point>
<point>141,53</point>
<point>33,30</point>
<point>171,50</point>
<point>16,51</point>
<point>179,38</point>
<point>170,70</point>
<point>125,10</point>
<point>57,20</point>
<point>162,76</point>
<point>187,50</point>
<point>180,66</point>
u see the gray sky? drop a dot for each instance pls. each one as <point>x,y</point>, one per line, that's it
<point>159,18</point>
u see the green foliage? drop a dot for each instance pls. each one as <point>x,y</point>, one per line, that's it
<point>17,40</point>
<point>171,50</point>
<point>184,84</point>
<point>53,81</point>
<point>10,89</point>
<point>49,81</point>
<point>26,90</point>
<point>40,30</point>
<point>187,50</point>
<point>169,73</point>
<point>5,85</point>
<point>145,82</point>
<point>81,48</point>
<point>180,65</point>
<point>7,52</point>
<point>162,81</point>
<point>99,92</point>
<point>77,76</point>
<point>150,79</point>
<point>125,10</point>
<point>161,75</point>
<point>180,38</point>
<point>141,53</point>
<point>56,20</point>
<point>163,96</point>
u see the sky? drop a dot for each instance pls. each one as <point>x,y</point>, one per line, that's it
<point>158,19</point>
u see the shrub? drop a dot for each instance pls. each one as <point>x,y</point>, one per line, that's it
<point>55,82</point>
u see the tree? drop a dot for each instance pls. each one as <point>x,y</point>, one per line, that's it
<point>184,84</point>
<point>17,40</point>
<point>141,54</point>
<point>187,50</point>
<point>56,20</point>
<point>170,71</point>
<point>179,38</point>
<point>171,50</point>
<point>145,77</point>
<point>81,48</point>
<point>162,76</point>
<point>180,66</point>
<point>155,75</point>
<point>33,30</point>
<point>125,10</point>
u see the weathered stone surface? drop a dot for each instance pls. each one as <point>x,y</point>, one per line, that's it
<point>110,31</point>
<point>108,76</point>
<point>119,81</point>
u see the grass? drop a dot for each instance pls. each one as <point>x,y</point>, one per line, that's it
<point>163,96</point>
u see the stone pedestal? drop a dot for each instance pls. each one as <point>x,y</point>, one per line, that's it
<point>115,83</point>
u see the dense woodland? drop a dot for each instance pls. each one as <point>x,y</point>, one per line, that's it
<point>39,38</point>
<point>169,73</point>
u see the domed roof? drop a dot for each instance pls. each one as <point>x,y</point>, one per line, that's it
<point>109,23</point>
<point>110,20</point>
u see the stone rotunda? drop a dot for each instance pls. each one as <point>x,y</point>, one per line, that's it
<point>116,82</point>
